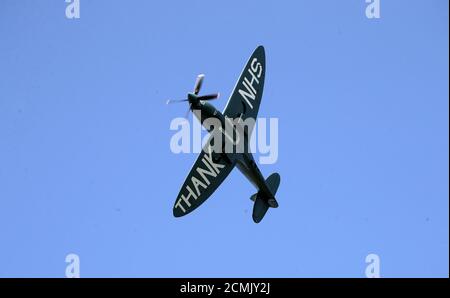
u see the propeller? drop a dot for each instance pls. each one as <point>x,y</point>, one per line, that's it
<point>209,96</point>
<point>170,101</point>
<point>198,83</point>
<point>193,97</point>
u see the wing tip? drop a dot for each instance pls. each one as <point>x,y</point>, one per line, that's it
<point>177,213</point>
<point>260,48</point>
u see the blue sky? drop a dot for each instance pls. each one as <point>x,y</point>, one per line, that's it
<point>86,167</point>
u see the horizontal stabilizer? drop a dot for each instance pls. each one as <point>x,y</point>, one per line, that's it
<point>264,201</point>
<point>259,209</point>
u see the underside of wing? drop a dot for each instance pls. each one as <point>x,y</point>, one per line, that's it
<point>246,97</point>
<point>208,172</point>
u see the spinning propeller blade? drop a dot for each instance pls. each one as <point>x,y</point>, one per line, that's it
<point>209,96</point>
<point>198,83</point>
<point>175,101</point>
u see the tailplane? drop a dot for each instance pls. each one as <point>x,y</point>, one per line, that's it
<point>262,201</point>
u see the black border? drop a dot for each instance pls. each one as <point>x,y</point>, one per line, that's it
<point>278,286</point>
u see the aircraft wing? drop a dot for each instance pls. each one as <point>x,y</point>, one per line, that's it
<point>246,97</point>
<point>208,172</point>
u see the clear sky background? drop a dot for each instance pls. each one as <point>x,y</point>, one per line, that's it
<point>86,167</point>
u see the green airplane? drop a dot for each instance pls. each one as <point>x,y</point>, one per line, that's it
<point>215,162</point>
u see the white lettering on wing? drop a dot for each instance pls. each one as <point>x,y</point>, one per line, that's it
<point>255,71</point>
<point>201,182</point>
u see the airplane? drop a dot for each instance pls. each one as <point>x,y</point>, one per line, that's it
<point>213,166</point>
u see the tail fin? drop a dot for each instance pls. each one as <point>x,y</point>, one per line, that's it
<point>262,202</point>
